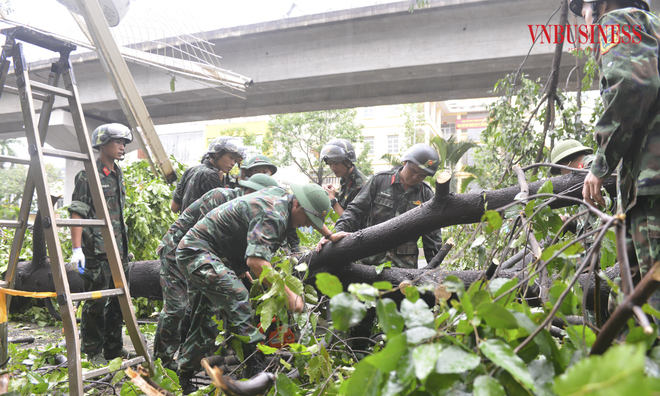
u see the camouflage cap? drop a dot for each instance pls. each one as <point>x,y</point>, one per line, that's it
<point>258,182</point>
<point>259,160</point>
<point>314,201</point>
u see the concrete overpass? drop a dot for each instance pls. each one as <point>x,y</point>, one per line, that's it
<point>368,56</point>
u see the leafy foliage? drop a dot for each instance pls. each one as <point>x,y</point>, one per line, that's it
<point>147,214</point>
<point>297,139</point>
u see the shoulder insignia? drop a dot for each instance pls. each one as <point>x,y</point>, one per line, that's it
<point>106,171</point>
<point>610,39</point>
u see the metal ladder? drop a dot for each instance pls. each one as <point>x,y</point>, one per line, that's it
<point>36,178</point>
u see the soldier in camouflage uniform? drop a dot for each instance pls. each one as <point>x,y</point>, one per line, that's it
<point>172,280</point>
<point>101,321</point>
<point>339,155</point>
<point>223,153</point>
<point>628,132</point>
<point>390,193</point>
<point>257,164</point>
<point>240,235</point>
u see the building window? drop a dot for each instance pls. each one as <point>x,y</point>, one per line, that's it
<point>370,141</point>
<point>448,130</point>
<point>392,144</point>
<point>369,112</point>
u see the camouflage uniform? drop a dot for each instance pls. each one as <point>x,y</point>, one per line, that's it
<point>198,180</point>
<point>101,320</point>
<point>350,188</point>
<point>628,133</point>
<point>382,198</point>
<point>173,281</point>
<point>212,255</point>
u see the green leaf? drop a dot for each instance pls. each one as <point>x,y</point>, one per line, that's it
<point>620,371</point>
<point>365,381</point>
<point>487,386</point>
<point>425,357</point>
<point>328,284</point>
<point>419,334</point>
<point>267,310</point>
<point>570,302</point>
<point>383,285</point>
<point>546,188</point>
<point>364,291</point>
<point>380,268</point>
<point>502,355</point>
<point>411,293</point>
<point>389,318</point>
<point>266,349</point>
<point>114,364</point>
<point>529,208</point>
<point>286,387</point>
<point>454,360</point>
<point>294,284</point>
<point>346,311</point>
<point>581,334</point>
<point>496,316</point>
<point>493,220</point>
<point>478,241</point>
<point>416,314</point>
<point>388,358</point>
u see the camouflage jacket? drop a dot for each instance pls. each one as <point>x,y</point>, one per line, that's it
<point>191,215</point>
<point>198,180</point>
<point>254,225</point>
<point>382,198</point>
<point>114,192</point>
<point>629,129</point>
<point>350,188</point>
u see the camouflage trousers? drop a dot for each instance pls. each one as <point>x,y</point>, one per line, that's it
<point>101,319</point>
<point>644,225</point>
<point>176,309</point>
<point>213,289</point>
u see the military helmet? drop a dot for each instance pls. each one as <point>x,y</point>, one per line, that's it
<point>338,150</point>
<point>259,160</point>
<point>576,5</point>
<point>567,148</point>
<point>259,181</point>
<point>314,201</point>
<point>107,132</point>
<point>424,156</point>
<point>229,144</point>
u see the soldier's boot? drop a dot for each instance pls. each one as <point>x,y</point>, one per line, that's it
<point>97,359</point>
<point>186,382</point>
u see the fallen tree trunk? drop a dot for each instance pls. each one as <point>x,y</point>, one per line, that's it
<point>445,209</point>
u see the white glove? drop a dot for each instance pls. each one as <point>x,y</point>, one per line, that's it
<point>78,258</point>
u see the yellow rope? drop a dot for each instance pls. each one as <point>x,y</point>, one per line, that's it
<point>3,300</point>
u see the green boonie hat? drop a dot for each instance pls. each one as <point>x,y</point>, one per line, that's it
<point>259,160</point>
<point>314,201</point>
<point>567,148</point>
<point>259,182</point>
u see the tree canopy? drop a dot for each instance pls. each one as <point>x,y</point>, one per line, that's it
<point>297,139</point>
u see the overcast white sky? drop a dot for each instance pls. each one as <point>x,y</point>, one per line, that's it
<point>149,18</point>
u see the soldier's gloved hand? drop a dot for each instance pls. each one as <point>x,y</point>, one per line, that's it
<point>78,258</point>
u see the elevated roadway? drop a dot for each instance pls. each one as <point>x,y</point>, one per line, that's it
<point>368,56</point>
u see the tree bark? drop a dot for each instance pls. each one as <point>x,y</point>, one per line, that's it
<point>443,210</point>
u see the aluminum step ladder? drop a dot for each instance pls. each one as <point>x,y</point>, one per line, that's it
<point>28,91</point>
